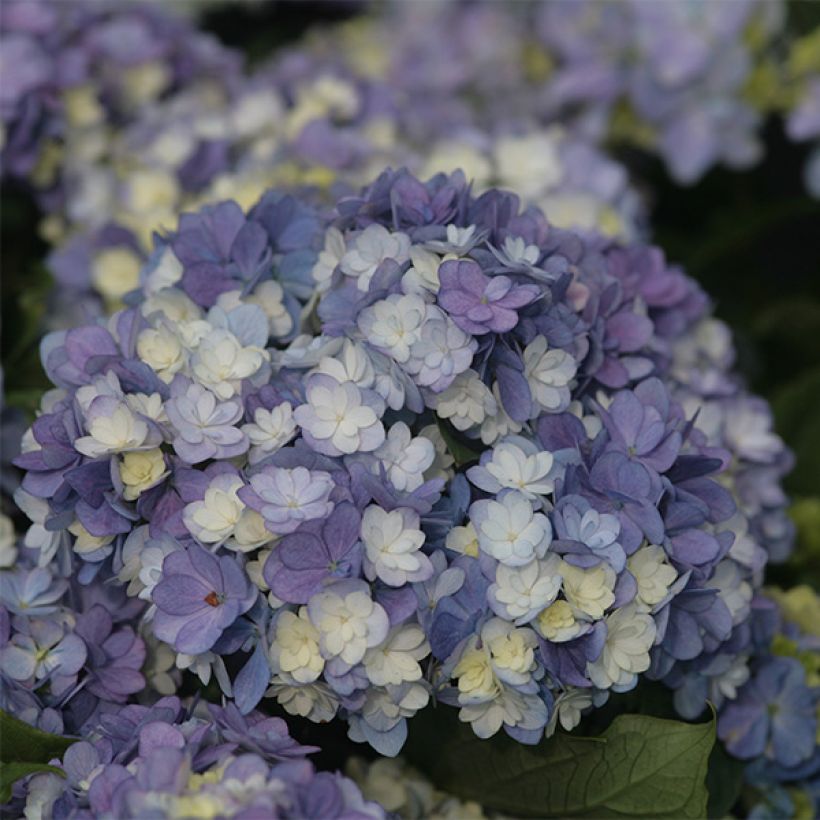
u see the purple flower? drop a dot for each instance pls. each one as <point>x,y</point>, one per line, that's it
<point>479,304</point>
<point>199,597</point>
<point>774,714</point>
<point>317,551</point>
<point>204,425</point>
<point>287,497</point>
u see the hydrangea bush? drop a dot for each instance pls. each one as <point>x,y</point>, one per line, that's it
<point>427,447</point>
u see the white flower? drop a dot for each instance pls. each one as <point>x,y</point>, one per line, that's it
<point>509,530</point>
<point>548,374</point>
<point>589,591</point>
<point>349,621</point>
<point>510,707</point>
<point>350,364</point>
<point>115,272</point>
<point>422,276</point>
<point>314,701</point>
<point>221,362</point>
<point>466,402</point>
<point>557,623</point>
<point>476,678</point>
<point>270,430</point>
<point>141,470</point>
<point>520,593</point>
<point>271,298</point>
<point>8,551</point>
<point>512,651</point>
<point>529,164</point>
<point>518,252</point>
<point>162,351</point>
<point>733,589</point>
<point>212,520</point>
<point>629,637</point>
<point>329,258</point>
<point>442,351</point>
<point>174,304</point>
<point>568,708</point>
<point>167,271</point>
<point>85,542</point>
<point>442,466</point>
<point>393,325</point>
<point>337,418</point>
<point>392,543</point>
<point>37,537</point>
<point>249,533</point>
<point>510,466</point>
<point>114,432</point>
<point>404,458</point>
<point>396,660</point>
<point>151,406</point>
<point>653,574</point>
<point>463,540</point>
<point>369,249</point>
<point>295,647</point>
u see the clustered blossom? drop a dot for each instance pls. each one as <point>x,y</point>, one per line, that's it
<point>514,482</point>
<point>74,70</point>
<point>172,760</point>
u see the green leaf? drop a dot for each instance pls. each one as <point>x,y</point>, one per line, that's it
<point>640,766</point>
<point>724,782</point>
<point>461,453</point>
<point>10,773</point>
<point>25,750</point>
<point>24,743</point>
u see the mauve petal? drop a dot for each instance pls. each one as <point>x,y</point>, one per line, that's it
<point>201,632</point>
<point>626,414</point>
<point>181,595</point>
<point>207,567</point>
<point>341,531</point>
<point>297,586</point>
<point>303,550</point>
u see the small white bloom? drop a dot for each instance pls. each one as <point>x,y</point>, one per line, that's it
<point>392,542</point>
<point>329,258</point>
<point>518,252</point>
<point>393,325</point>
<point>475,675</point>
<point>314,701</point>
<point>653,574</point>
<point>350,364</point>
<point>512,651</point>
<point>568,708</point>
<point>520,593</point>
<point>86,543</point>
<point>531,473</point>
<point>548,373</point>
<point>396,660</point>
<point>141,470</point>
<point>213,519</point>
<point>509,530</point>
<point>271,298</point>
<point>557,623</point>
<point>442,466</point>
<point>112,433</point>
<point>422,276</point>
<point>630,635</point>
<point>338,420</point>
<point>249,533</point>
<point>510,707</point>
<point>529,164</point>
<point>349,621</point>
<point>466,402</point>
<point>8,550</point>
<point>369,249</point>
<point>270,430</point>
<point>162,351</point>
<point>167,271</point>
<point>589,591</point>
<point>295,647</point>
<point>221,362</point>
<point>404,457</point>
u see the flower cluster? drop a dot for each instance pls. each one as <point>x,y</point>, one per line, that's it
<point>302,119</point>
<point>74,71</point>
<point>166,761</point>
<point>773,717</point>
<point>486,480</point>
